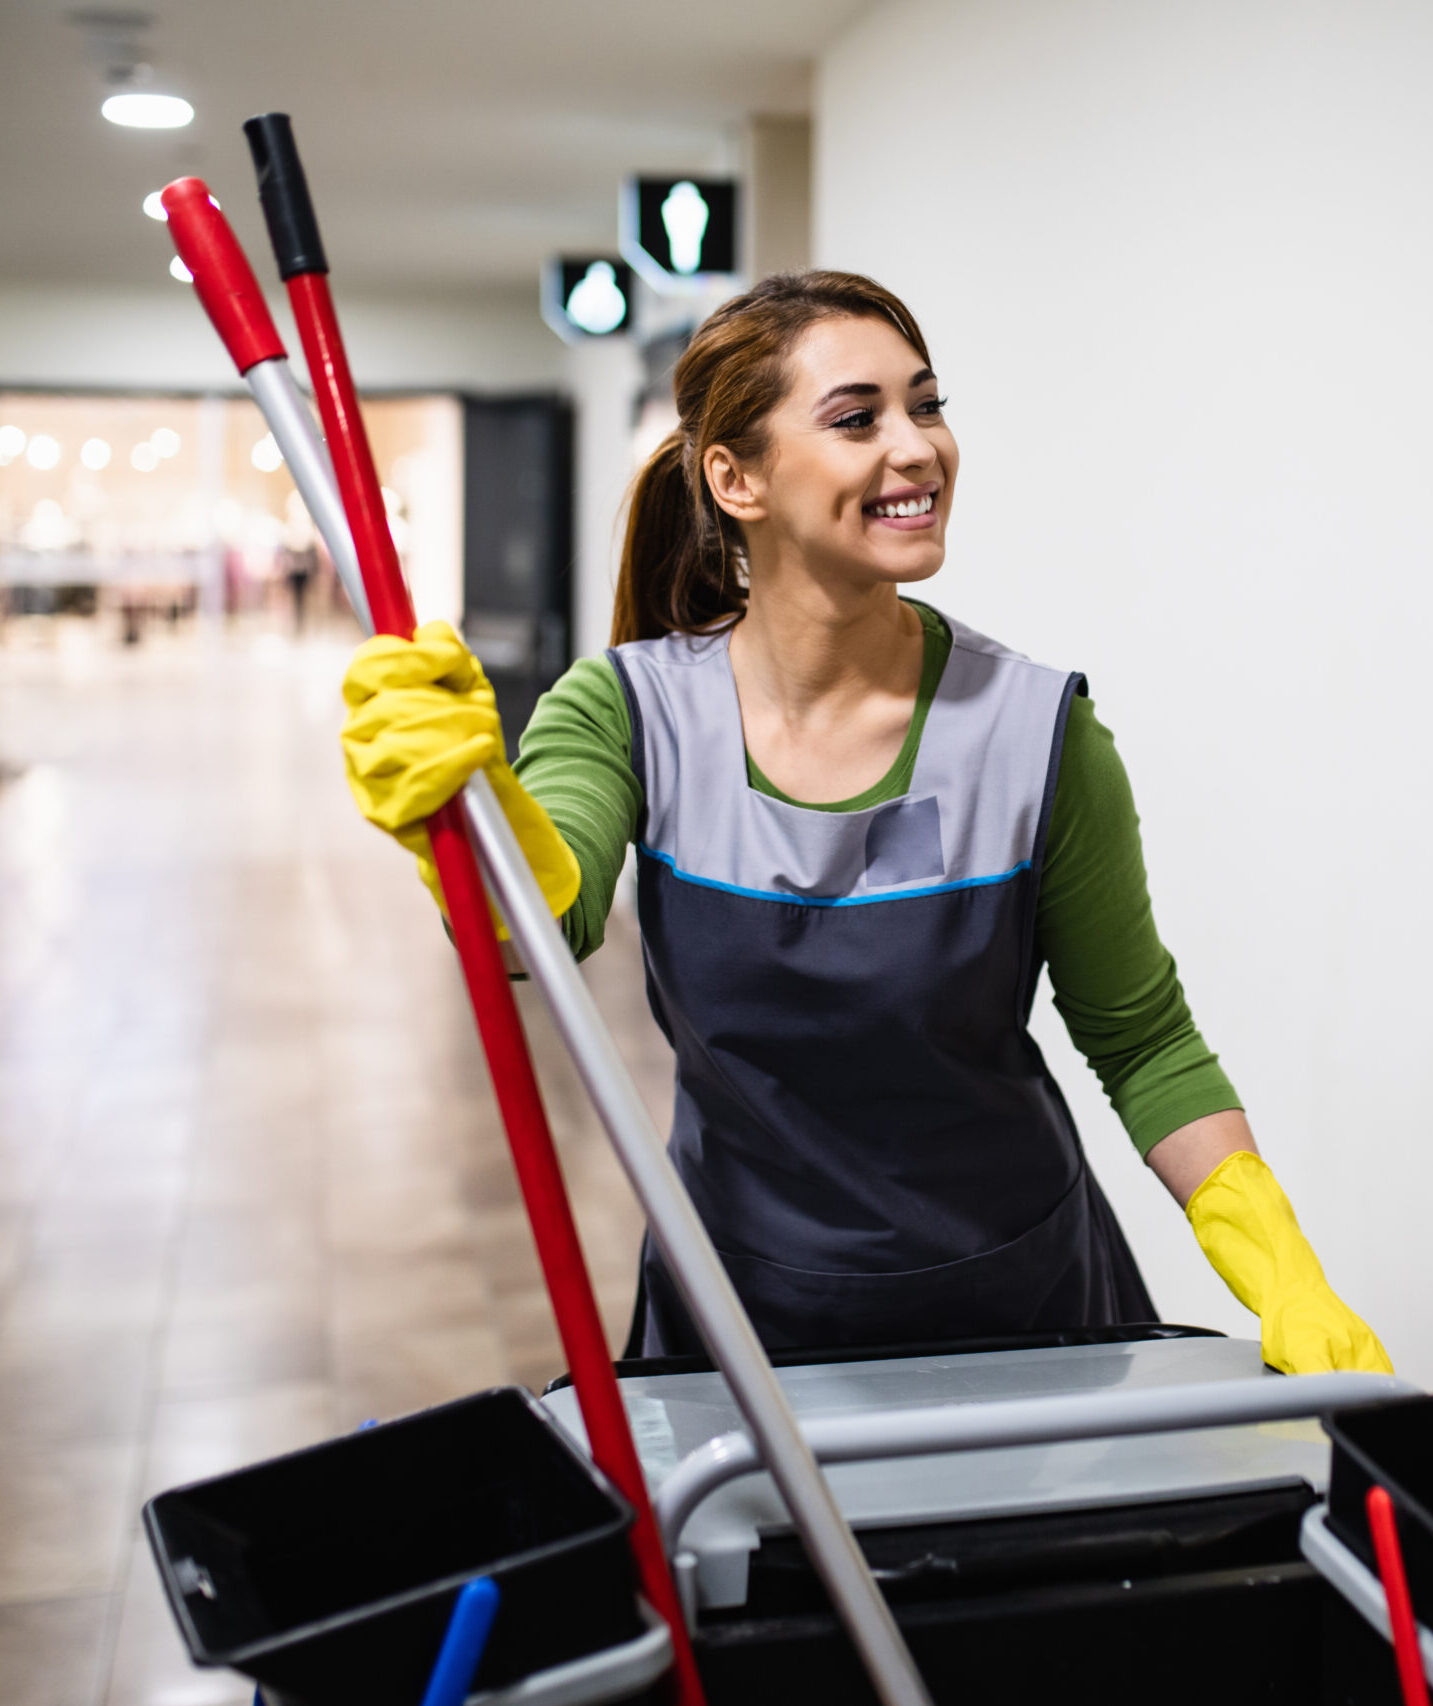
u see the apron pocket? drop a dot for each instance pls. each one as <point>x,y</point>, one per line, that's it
<point>1055,1276</point>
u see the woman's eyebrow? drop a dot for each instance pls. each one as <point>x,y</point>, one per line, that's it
<point>851,390</point>
<point>921,376</point>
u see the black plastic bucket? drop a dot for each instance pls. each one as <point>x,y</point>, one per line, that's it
<point>1387,1445</point>
<point>329,1575</point>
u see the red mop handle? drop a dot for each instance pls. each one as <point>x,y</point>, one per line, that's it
<point>1383,1526</point>
<point>223,277</point>
<point>294,233</point>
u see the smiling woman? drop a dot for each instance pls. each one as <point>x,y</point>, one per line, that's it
<point>862,830</point>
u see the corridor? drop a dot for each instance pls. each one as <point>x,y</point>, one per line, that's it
<point>252,1186</point>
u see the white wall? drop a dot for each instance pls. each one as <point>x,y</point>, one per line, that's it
<point>1176,265</point>
<point>92,337</point>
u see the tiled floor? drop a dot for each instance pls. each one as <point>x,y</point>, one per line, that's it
<point>252,1186</point>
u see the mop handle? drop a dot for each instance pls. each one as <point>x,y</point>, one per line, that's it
<point>1383,1529</point>
<point>231,295</point>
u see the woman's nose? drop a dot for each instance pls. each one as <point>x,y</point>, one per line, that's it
<point>910,447</point>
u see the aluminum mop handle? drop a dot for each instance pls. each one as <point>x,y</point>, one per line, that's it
<point>229,292</point>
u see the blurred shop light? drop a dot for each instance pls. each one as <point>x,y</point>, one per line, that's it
<point>266,455</point>
<point>49,528</point>
<point>587,296</point>
<point>165,440</point>
<point>177,269</point>
<point>95,454</point>
<point>679,232</point>
<point>43,451</point>
<point>142,111</point>
<point>12,443</point>
<point>144,457</point>
<point>392,501</point>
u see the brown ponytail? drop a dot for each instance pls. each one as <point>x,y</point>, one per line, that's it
<point>683,558</point>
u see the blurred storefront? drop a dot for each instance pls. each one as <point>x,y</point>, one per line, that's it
<point>139,509</point>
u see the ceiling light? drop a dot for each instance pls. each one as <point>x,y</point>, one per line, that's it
<point>266,455</point>
<point>148,112</point>
<point>12,442</point>
<point>144,457</point>
<point>43,451</point>
<point>165,440</point>
<point>95,453</point>
<point>177,269</point>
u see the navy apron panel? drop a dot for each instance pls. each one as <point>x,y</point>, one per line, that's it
<point>892,1113</point>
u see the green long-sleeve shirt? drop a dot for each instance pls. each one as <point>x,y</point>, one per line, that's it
<point>1115,983</point>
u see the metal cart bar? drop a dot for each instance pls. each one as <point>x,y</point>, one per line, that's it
<point>918,1432</point>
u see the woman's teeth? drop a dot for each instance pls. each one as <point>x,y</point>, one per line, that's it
<point>911,506</point>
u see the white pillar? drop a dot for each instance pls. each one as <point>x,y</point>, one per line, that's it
<point>605,375</point>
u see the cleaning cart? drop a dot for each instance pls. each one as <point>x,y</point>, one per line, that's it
<point>972,1553</point>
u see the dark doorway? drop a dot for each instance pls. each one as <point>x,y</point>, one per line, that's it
<point>517,526</point>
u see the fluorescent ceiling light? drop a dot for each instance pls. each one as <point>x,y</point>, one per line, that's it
<point>148,112</point>
<point>177,269</point>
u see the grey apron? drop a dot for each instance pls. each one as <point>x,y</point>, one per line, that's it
<point>862,1118</point>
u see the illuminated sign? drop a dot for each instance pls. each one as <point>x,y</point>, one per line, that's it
<point>679,230</point>
<point>587,296</point>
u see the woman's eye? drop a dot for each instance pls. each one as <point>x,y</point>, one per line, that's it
<point>857,419</point>
<point>931,407</point>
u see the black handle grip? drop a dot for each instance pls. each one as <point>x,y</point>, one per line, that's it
<point>284,197</point>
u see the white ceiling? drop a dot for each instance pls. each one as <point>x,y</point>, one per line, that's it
<point>451,145</point>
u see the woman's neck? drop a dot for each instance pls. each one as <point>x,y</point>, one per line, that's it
<point>801,648</point>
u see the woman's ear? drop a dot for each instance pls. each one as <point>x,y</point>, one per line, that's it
<point>736,488</point>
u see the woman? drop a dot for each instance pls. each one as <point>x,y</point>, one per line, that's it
<point>862,830</point>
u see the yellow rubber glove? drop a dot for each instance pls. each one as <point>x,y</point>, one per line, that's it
<point>1246,1226</point>
<point>422,718</point>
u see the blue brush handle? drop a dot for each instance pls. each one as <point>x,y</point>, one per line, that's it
<point>462,1648</point>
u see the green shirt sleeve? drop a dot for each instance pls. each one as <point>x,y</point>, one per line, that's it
<point>1115,983</point>
<point>575,758</point>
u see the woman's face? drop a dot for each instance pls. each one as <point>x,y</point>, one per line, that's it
<point>860,467</point>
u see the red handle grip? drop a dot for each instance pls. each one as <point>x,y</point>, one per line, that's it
<point>222,275</point>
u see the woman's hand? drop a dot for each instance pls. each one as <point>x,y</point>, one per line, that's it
<point>1246,1227</point>
<point>422,718</point>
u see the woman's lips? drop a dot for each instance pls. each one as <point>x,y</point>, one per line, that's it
<point>905,523</point>
<point>917,499</point>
